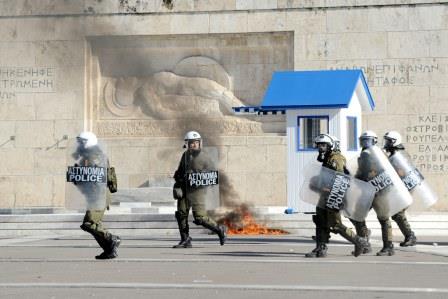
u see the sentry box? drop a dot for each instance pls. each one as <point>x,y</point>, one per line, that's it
<point>315,102</point>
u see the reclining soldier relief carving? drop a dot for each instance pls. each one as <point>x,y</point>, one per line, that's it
<point>166,96</point>
<point>197,87</point>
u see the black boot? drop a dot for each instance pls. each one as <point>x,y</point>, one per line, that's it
<point>185,241</point>
<point>184,230</point>
<point>222,229</point>
<point>409,240</point>
<point>322,237</point>
<point>364,232</point>
<point>110,252</point>
<point>362,246</point>
<point>405,228</point>
<point>360,243</point>
<point>387,250</point>
<point>368,247</point>
<point>319,251</point>
<point>386,234</point>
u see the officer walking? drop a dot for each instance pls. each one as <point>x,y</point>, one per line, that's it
<point>193,161</point>
<point>393,145</point>
<point>368,168</point>
<point>89,154</point>
<point>326,220</point>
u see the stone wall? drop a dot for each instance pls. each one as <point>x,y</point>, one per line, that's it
<point>50,88</point>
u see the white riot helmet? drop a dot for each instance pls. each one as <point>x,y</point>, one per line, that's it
<point>191,136</point>
<point>368,139</point>
<point>392,139</point>
<point>324,138</point>
<point>87,139</point>
<point>324,144</point>
<point>337,143</point>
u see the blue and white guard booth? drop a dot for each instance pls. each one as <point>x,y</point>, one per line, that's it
<point>315,102</point>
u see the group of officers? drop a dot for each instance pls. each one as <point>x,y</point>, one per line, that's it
<point>329,220</point>
<point>89,154</point>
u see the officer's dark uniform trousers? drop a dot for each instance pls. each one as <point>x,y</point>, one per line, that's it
<point>330,221</point>
<point>193,198</point>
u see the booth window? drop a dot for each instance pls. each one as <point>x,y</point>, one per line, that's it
<point>308,128</point>
<point>352,144</point>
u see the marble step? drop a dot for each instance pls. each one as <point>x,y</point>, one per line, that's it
<point>428,224</point>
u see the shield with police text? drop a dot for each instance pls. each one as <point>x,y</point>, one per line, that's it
<point>86,177</point>
<point>332,190</point>
<point>414,181</point>
<point>391,194</point>
<point>202,178</point>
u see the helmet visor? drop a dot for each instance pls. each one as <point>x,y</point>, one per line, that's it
<point>366,142</point>
<point>194,144</point>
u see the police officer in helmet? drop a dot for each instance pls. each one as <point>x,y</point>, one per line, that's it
<point>193,160</point>
<point>88,153</point>
<point>368,168</point>
<point>392,145</point>
<point>326,220</point>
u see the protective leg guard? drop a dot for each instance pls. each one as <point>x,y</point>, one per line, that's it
<point>361,228</point>
<point>405,228</point>
<point>386,233</point>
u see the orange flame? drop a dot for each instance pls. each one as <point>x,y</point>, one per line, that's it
<point>241,221</point>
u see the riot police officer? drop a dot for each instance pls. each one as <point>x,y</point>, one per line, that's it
<point>193,160</point>
<point>392,145</point>
<point>368,168</point>
<point>88,153</point>
<point>327,220</point>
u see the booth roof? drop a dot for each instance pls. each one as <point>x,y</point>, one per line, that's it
<point>315,89</point>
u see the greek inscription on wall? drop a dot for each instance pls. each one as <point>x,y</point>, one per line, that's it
<point>430,135</point>
<point>16,80</point>
<point>385,74</point>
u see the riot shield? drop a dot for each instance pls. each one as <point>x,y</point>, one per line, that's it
<point>86,177</point>
<point>414,181</point>
<point>329,189</point>
<point>391,194</point>
<point>202,179</point>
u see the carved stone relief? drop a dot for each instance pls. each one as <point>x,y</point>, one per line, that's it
<point>168,88</point>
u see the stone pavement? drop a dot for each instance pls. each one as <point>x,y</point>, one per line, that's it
<point>246,267</point>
